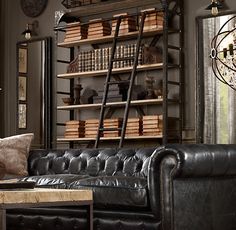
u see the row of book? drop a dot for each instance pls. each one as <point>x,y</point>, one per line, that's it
<point>151,125</point>
<point>98,59</point>
<point>98,27</point>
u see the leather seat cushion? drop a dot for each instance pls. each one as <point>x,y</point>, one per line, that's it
<point>60,181</point>
<point>114,191</point>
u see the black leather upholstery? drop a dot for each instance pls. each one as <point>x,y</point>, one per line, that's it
<point>173,187</point>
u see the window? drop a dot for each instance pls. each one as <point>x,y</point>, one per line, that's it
<point>217,101</point>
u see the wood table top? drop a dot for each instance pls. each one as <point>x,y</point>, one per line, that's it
<point>44,195</point>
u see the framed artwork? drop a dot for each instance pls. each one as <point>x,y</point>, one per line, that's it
<point>22,88</point>
<point>22,116</point>
<point>22,60</point>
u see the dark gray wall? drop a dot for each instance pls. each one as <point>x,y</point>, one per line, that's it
<point>15,22</point>
<point>1,70</point>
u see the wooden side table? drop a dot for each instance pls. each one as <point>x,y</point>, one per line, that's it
<point>39,197</point>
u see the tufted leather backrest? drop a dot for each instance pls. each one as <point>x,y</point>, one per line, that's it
<point>93,162</point>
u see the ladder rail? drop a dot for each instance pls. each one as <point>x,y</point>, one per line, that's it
<point>132,78</point>
<point>131,81</point>
<point>106,85</point>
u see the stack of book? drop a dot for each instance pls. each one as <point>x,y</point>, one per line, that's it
<point>74,129</point>
<point>152,125</point>
<point>91,128</point>
<point>128,24</point>
<point>153,20</point>
<point>112,123</point>
<point>75,32</point>
<point>134,127</point>
<point>98,28</point>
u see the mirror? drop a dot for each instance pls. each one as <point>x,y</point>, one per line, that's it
<point>34,87</point>
<point>216,102</point>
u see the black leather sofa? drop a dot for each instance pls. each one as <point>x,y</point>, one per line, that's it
<point>173,187</point>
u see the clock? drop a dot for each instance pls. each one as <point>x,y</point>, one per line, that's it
<point>33,8</point>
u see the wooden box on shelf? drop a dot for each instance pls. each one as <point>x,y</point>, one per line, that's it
<point>98,28</point>
<point>75,32</point>
<point>74,129</point>
<point>91,128</point>
<point>152,125</point>
<point>134,127</point>
<point>153,20</point>
<point>112,123</point>
<point>128,24</point>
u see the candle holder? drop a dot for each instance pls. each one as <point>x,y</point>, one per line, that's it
<point>77,93</point>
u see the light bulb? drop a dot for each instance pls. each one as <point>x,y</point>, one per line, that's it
<point>214,10</point>
<point>27,35</point>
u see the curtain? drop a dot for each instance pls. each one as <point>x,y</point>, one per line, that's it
<point>219,99</point>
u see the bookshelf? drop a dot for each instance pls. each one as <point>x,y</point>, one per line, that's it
<point>166,68</point>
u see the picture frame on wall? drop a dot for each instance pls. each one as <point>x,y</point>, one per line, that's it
<point>22,60</point>
<point>22,111</point>
<point>22,88</point>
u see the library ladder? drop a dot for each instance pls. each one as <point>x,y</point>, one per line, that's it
<point>130,80</point>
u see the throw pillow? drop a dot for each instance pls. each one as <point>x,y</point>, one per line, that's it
<point>14,152</point>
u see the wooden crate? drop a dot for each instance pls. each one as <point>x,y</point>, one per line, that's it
<point>153,20</point>
<point>128,24</point>
<point>74,129</point>
<point>91,128</point>
<point>75,32</point>
<point>98,28</point>
<point>134,127</point>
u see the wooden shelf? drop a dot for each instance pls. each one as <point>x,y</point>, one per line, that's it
<point>116,104</point>
<point>109,38</point>
<point>62,139</point>
<point>109,6</point>
<point>140,68</point>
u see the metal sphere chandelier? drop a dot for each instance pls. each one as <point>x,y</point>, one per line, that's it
<point>223,54</point>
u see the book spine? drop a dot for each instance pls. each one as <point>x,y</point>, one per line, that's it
<point>96,60</point>
<point>132,53</point>
<point>106,57</point>
<point>80,62</point>
<point>129,54</point>
<point>122,56</point>
<point>99,59</point>
<point>118,56</point>
<point>103,58</point>
<point>93,60</point>
<point>109,56</point>
<point>140,56</point>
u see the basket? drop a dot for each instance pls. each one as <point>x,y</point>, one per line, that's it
<point>76,3</point>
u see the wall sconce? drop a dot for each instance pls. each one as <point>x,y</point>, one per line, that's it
<point>30,30</point>
<point>216,5</point>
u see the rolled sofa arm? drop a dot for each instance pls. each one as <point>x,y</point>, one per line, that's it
<point>180,176</point>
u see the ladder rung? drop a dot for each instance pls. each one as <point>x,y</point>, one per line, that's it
<point>123,59</point>
<point>117,82</point>
<point>110,129</point>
